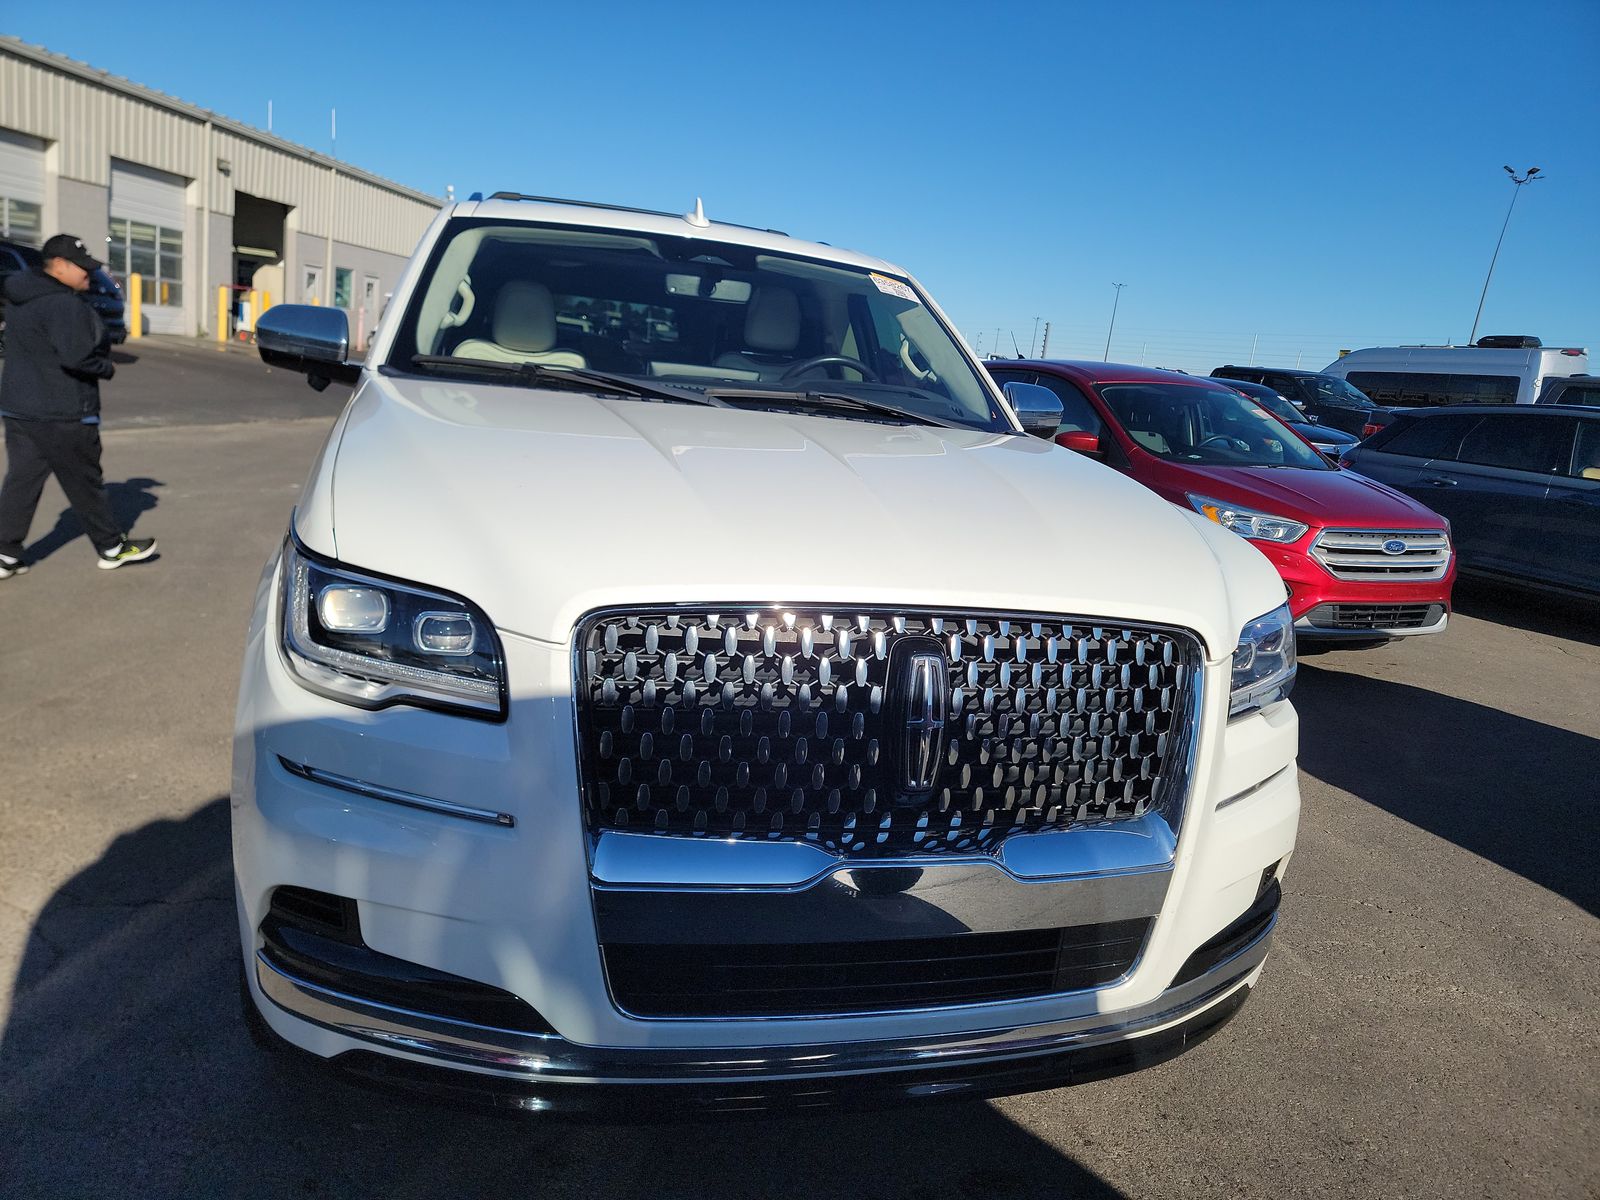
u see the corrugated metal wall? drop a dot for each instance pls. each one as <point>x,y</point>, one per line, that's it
<point>94,123</point>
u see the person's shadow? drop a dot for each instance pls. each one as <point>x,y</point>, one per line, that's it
<point>126,1069</point>
<point>130,499</point>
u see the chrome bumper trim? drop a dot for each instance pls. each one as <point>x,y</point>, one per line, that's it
<point>555,1060</point>
<point>394,796</point>
<point>647,860</point>
<point>1304,629</point>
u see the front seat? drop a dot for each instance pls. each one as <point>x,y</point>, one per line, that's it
<point>524,329</point>
<point>771,332</point>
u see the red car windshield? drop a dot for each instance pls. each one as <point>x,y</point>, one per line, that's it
<point>1212,426</point>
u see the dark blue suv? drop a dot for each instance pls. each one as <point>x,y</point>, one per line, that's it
<point>1520,485</point>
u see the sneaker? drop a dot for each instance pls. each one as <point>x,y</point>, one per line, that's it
<point>131,550</point>
<point>11,566</point>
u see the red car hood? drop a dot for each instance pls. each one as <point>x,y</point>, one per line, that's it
<point>1323,498</point>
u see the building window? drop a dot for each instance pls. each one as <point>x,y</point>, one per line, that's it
<point>152,252</point>
<point>20,221</point>
<point>342,277</point>
<point>313,285</point>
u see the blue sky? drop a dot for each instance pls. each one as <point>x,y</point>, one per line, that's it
<point>1293,177</point>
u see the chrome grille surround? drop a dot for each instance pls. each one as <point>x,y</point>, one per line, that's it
<point>779,723</point>
<point>1358,554</point>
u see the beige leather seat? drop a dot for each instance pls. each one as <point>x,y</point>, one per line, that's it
<point>771,332</point>
<point>524,329</point>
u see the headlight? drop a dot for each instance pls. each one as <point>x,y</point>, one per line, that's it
<point>1264,663</point>
<point>1246,522</point>
<point>372,641</point>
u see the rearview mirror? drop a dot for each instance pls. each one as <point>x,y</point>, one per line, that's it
<point>314,341</point>
<point>1080,440</point>
<point>1038,409</point>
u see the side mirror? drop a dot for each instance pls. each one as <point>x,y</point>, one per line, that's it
<point>314,341</point>
<point>1038,409</point>
<point>1082,441</point>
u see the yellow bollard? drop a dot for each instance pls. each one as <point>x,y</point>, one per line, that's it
<point>266,302</point>
<point>135,303</point>
<point>255,310</point>
<point>222,313</point>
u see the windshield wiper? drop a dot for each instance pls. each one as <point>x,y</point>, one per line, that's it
<point>573,377</point>
<point>822,399</point>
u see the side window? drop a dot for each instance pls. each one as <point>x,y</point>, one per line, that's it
<point>1589,397</point>
<point>1004,377</point>
<point>1518,442</point>
<point>1586,455</point>
<point>1076,412</point>
<point>1286,385</point>
<point>1425,437</point>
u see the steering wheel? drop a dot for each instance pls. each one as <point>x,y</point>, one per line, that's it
<point>1228,443</point>
<point>823,360</point>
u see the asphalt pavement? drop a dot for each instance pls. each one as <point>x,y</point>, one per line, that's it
<point>1427,1024</point>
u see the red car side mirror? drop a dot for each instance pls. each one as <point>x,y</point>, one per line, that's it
<point>1080,440</point>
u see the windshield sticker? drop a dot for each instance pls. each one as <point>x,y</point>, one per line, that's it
<point>893,287</point>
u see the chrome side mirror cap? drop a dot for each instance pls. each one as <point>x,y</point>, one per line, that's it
<point>314,341</point>
<point>1038,409</point>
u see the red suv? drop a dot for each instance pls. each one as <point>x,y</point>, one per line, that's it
<point>1360,559</point>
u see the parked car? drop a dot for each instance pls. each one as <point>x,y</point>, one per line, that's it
<point>1494,370</point>
<point>1582,390</point>
<point>1520,484</point>
<point>761,720</point>
<point>103,295</point>
<point>1328,398</point>
<point>1329,441</point>
<point>1359,560</point>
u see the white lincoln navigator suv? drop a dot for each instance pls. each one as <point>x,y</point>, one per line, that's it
<point>686,678</point>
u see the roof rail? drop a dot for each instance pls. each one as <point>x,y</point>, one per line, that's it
<point>649,212</point>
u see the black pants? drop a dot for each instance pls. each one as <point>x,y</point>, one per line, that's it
<point>70,450</point>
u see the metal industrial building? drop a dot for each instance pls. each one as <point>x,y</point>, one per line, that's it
<point>190,200</point>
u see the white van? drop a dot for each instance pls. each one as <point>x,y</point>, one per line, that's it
<point>1494,370</point>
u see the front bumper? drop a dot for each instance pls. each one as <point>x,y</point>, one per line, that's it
<point>1314,593</point>
<point>513,906</point>
<point>536,1073</point>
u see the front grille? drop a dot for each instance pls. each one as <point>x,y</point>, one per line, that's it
<point>855,977</point>
<point>1360,554</point>
<point>780,723</point>
<point>1374,616</point>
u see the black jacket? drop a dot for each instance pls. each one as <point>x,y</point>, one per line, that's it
<point>57,351</point>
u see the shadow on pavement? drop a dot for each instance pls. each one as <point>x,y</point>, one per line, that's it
<point>126,1070</point>
<point>120,357</point>
<point>1557,615</point>
<point>1517,792</point>
<point>130,499</point>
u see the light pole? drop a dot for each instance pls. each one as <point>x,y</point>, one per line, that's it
<point>1114,303</point>
<point>1518,180</point>
<point>1034,340</point>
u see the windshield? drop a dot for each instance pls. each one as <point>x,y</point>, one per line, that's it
<point>1212,425</point>
<point>1274,403</point>
<point>694,315</point>
<point>1330,389</point>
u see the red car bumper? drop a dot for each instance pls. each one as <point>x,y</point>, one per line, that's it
<point>1326,607</point>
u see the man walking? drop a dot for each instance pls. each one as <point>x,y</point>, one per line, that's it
<point>57,352</point>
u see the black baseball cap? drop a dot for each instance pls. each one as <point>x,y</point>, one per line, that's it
<point>64,245</point>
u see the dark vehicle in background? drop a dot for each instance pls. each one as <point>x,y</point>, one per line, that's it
<point>104,296</point>
<point>1327,397</point>
<point>1330,441</point>
<point>1519,483</point>
<point>1581,390</point>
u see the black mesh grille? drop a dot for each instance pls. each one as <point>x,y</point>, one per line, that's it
<point>849,977</point>
<point>778,723</point>
<point>1375,616</point>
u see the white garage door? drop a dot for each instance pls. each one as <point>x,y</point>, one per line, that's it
<point>21,188</point>
<point>148,216</point>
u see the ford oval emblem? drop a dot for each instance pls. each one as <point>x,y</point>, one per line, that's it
<point>1394,546</point>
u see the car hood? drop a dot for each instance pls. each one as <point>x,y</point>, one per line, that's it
<point>1326,434</point>
<point>543,505</point>
<point>1337,498</point>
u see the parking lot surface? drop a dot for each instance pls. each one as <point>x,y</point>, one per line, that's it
<point>1427,1025</point>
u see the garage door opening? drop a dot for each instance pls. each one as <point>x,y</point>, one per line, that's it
<point>258,241</point>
